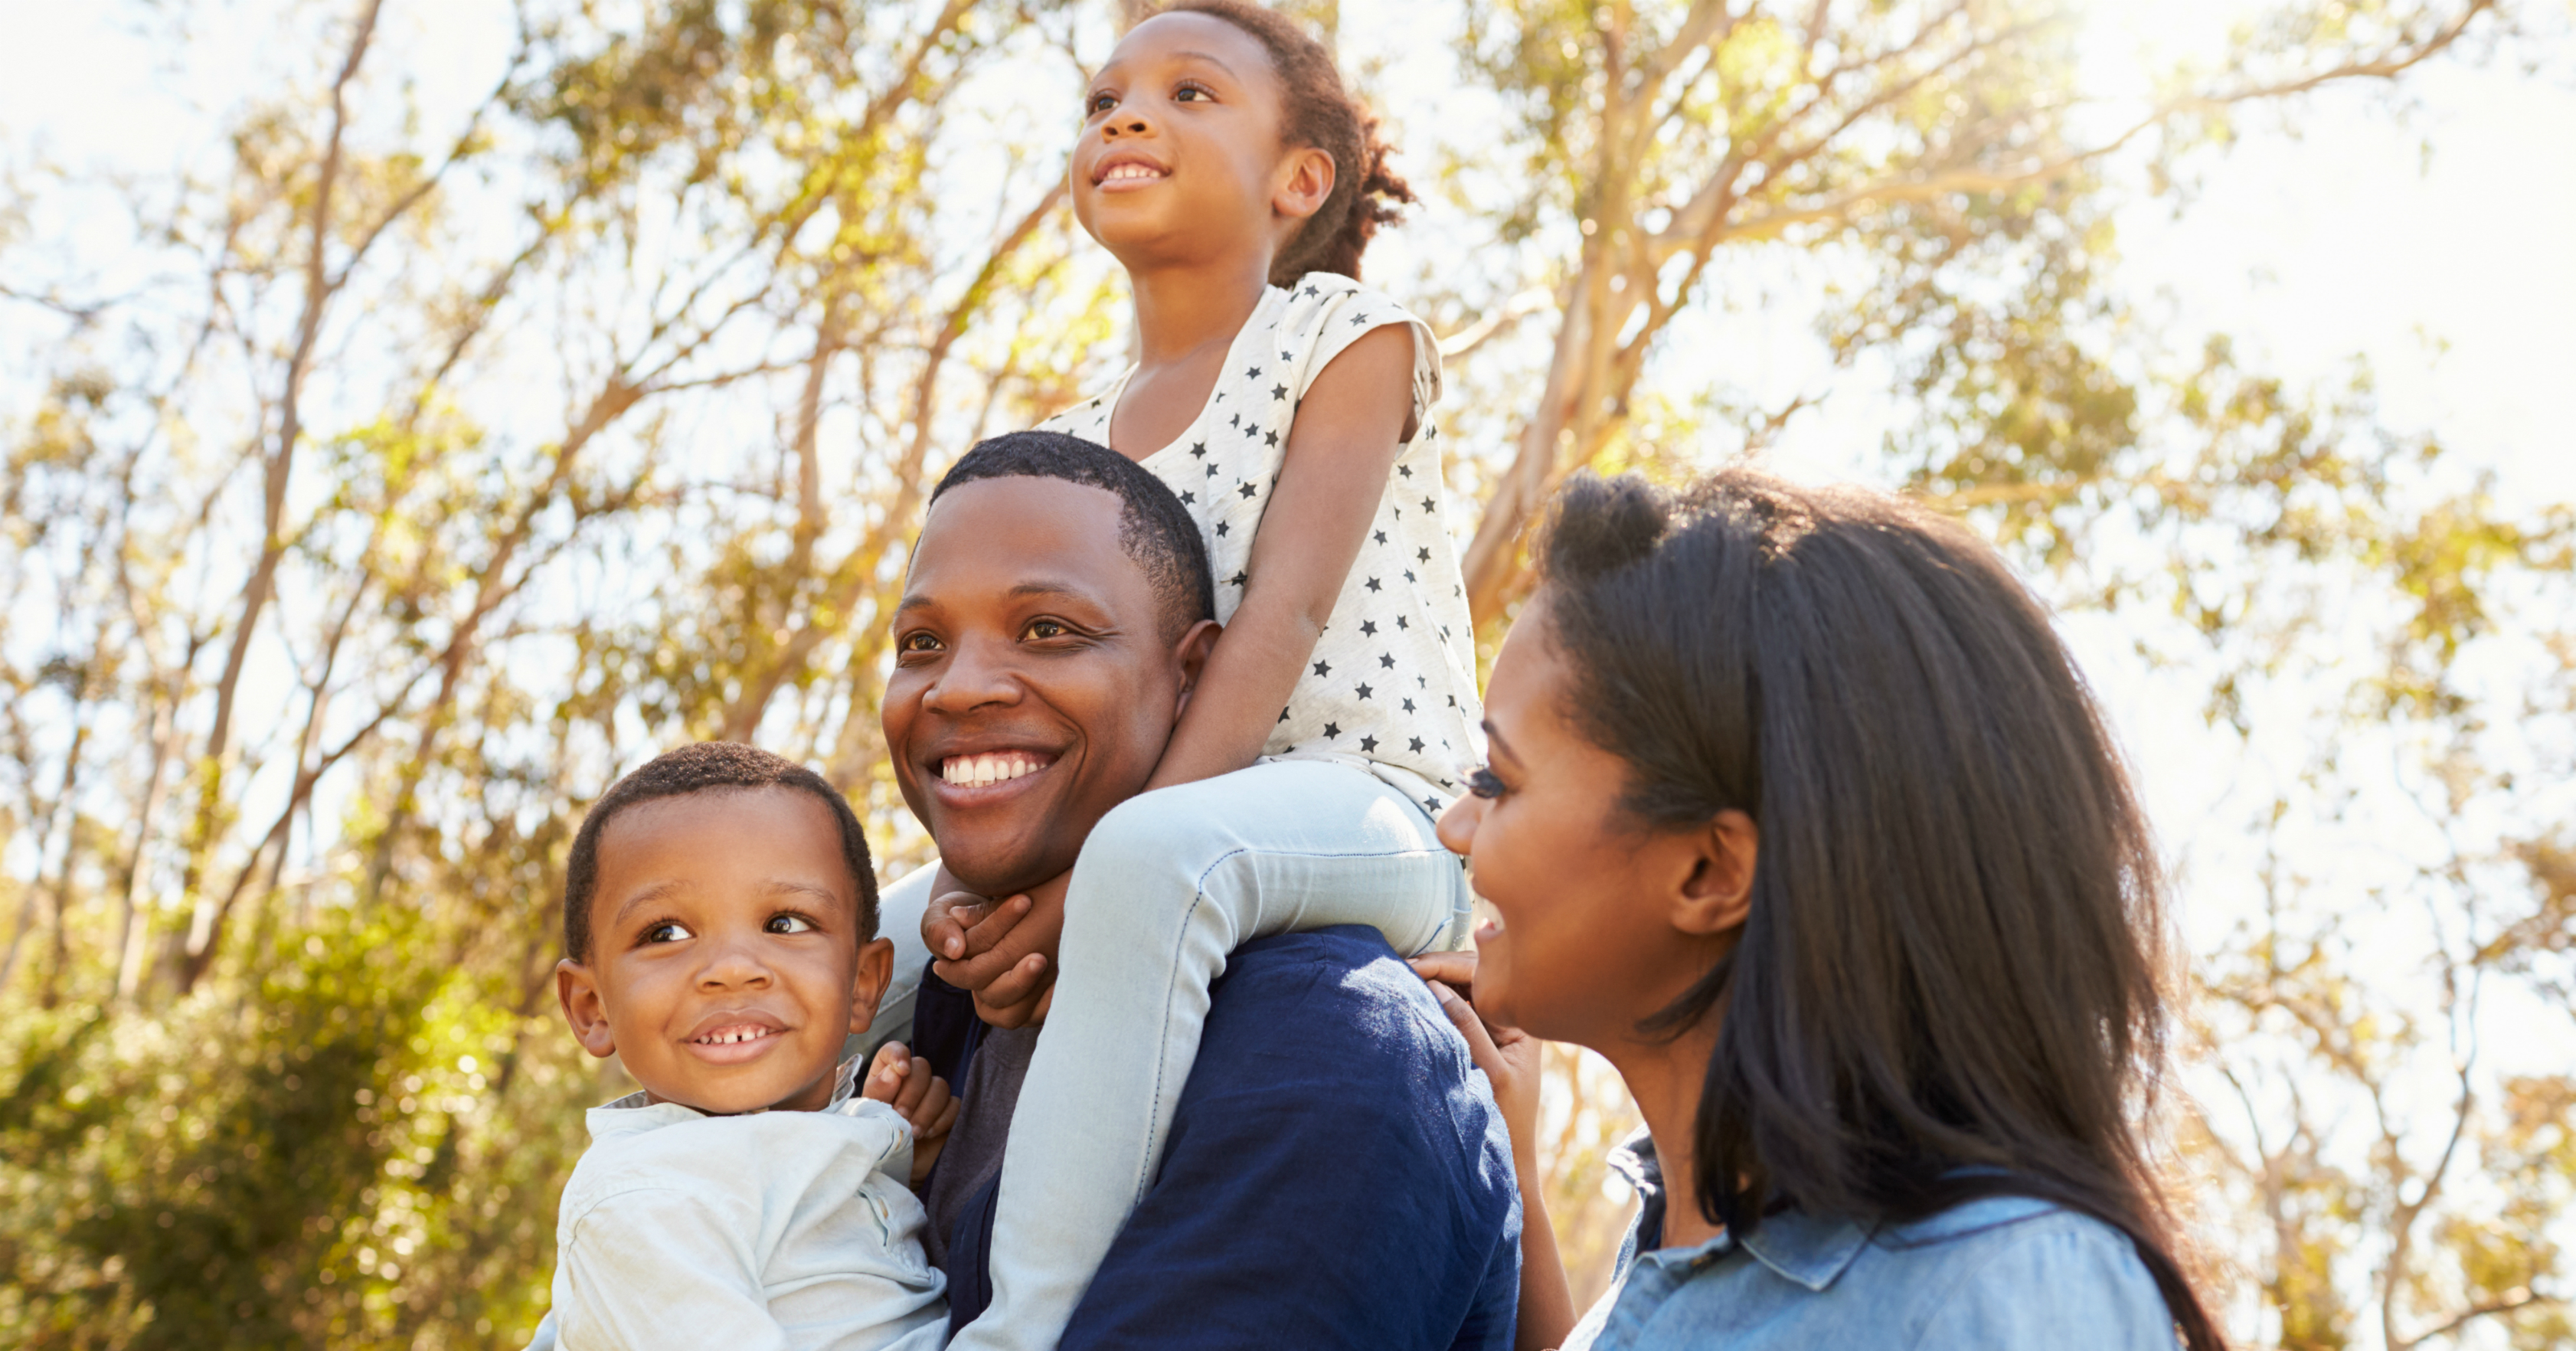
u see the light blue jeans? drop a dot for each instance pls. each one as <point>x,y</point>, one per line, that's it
<point>1168,884</point>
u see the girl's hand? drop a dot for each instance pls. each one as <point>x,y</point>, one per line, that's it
<point>906,1084</point>
<point>1003,954</point>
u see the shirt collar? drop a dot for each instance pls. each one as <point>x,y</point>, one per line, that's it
<point>636,1112</point>
<point>1807,1249</point>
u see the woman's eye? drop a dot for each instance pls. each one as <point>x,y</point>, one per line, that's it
<point>1484,783</point>
<point>667,932</point>
<point>789,924</point>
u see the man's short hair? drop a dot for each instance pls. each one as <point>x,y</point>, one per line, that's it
<point>1153,527</point>
<point>706,767</point>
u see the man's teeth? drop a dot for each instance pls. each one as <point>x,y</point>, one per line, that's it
<point>1127,171</point>
<point>974,771</point>
<point>730,1035</point>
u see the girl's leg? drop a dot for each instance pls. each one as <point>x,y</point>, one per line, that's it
<point>1169,884</point>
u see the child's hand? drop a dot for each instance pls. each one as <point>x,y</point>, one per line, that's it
<point>906,1084</point>
<point>999,953</point>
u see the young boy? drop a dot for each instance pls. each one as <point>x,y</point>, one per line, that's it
<point>720,921</point>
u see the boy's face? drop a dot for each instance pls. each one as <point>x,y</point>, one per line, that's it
<point>1032,689</point>
<point>725,967</point>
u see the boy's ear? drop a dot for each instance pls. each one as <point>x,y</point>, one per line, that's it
<point>1191,654</point>
<point>1716,896</point>
<point>577,986</point>
<point>1306,176</point>
<point>876,971</point>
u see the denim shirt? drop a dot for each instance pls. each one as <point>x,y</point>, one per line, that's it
<point>2000,1274</point>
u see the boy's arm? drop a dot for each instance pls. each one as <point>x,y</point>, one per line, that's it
<point>1354,419</point>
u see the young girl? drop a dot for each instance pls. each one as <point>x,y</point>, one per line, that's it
<point>1228,171</point>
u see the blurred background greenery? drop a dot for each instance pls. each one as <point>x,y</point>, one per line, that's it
<point>418,414</point>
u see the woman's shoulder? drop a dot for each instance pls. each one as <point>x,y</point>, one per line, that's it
<point>2011,1272</point>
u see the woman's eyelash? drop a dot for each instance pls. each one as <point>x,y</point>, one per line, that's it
<point>1484,782</point>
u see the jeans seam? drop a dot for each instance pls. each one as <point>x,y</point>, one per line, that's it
<point>1198,897</point>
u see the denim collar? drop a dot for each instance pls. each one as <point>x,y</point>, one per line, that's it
<point>845,1083</point>
<point>1807,1249</point>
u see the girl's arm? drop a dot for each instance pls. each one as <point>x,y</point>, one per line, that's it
<point>1355,417</point>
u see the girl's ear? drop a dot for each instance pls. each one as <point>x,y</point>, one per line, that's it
<point>1305,182</point>
<point>1192,653</point>
<point>577,987</point>
<point>876,971</point>
<point>1717,895</point>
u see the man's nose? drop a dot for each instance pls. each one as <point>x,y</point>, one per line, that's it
<point>976,675</point>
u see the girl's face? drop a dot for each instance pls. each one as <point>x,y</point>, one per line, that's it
<point>1594,914</point>
<point>1180,158</point>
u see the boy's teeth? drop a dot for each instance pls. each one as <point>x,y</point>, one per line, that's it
<point>975,771</point>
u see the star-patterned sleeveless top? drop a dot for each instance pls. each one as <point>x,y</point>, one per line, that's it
<point>1390,687</point>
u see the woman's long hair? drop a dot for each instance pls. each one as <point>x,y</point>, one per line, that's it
<point>1949,984</point>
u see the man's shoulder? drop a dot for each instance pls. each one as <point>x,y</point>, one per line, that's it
<point>1332,985</point>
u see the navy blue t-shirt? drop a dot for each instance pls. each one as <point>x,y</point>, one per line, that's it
<point>1337,1175</point>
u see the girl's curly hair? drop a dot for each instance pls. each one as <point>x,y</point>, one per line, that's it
<point>1318,111</point>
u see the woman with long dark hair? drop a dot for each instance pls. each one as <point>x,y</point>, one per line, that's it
<point>1800,814</point>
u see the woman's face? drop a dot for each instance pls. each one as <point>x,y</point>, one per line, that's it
<point>1584,942</point>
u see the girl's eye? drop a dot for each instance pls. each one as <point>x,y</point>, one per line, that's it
<point>1099,103</point>
<point>1484,783</point>
<point>1190,93</point>
<point>788,924</point>
<point>667,931</point>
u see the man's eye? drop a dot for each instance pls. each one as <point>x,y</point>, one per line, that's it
<point>1484,783</point>
<point>789,924</point>
<point>1047,628</point>
<point>667,931</point>
<point>917,641</point>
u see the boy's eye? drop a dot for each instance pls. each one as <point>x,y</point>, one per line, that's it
<point>1484,783</point>
<point>668,931</point>
<point>789,924</point>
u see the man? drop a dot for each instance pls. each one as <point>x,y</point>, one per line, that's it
<point>1337,1174</point>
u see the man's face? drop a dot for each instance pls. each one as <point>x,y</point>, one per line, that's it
<point>1032,689</point>
<point>725,965</point>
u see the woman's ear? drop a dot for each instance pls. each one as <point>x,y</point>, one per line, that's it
<point>1717,896</point>
<point>577,987</point>
<point>1191,654</point>
<point>876,971</point>
<point>1306,177</point>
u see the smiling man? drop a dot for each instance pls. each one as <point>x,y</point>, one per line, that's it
<point>1337,1174</point>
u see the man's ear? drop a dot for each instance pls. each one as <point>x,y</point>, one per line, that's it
<point>1191,654</point>
<point>1717,895</point>
<point>1306,176</point>
<point>876,971</point>
<point>577,986</point>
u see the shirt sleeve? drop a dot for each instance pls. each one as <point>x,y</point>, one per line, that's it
<point>1350,315</point>
<point>657,1268</point>
<point>1336,1188</point>
<point>2062,1282</point>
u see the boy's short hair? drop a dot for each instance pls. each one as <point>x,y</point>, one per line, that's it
<point>1153,527</point>
<point>706,767</point>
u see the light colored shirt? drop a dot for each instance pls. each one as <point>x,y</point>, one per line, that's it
<point>766,1232</point>
<point>1390,687</point>
<point>2000,1274</point>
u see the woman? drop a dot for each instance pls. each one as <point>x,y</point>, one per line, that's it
<point>1799,813</point>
